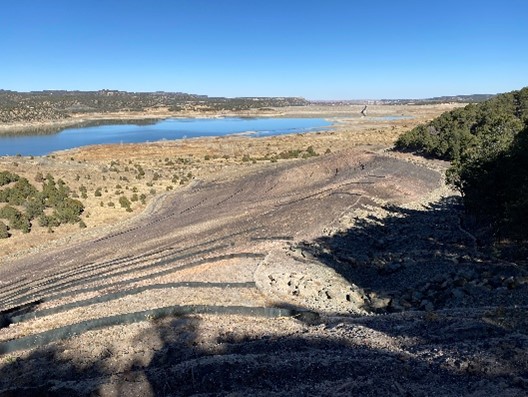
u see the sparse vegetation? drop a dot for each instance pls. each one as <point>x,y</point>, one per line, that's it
<point>175,163</point>
<point>4,230</point>
<point>7,177</point>
<point>60,105</point>
<point>125,203</point>
<point>20,193</point>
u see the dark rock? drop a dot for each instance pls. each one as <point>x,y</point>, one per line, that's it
<point>459,281</point>
<point>396,306</point>
<point>417,296</point>
<point>427,305</point>
<point>395,266</point>
<point>446,283</point>
<point>468,274</point>
<point>425,287</point>
<point>510,283</point>
<point>458,293</point>
<point>521,382</point>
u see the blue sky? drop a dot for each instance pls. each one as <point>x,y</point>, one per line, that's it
<point>325,49</point>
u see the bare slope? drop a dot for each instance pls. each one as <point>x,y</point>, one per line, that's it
<point>269,284</point>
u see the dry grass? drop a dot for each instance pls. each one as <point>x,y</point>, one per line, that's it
<point>115,170</point>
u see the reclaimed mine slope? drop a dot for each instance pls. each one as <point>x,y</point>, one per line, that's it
<point>211,293</point>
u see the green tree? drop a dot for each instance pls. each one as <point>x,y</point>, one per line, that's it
<point>488,146</point>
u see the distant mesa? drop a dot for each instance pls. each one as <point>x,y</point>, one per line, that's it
<point>55,105</point>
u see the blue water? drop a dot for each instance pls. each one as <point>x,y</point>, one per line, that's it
<point>38,145</point>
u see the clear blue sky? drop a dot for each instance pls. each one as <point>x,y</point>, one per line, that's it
<point>324,49</point>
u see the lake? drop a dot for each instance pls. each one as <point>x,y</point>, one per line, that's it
<point>38,145</point>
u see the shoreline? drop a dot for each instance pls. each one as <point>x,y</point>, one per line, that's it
<point>248,133</point>
<point>171,164</point>
<point>95,119</point>
<point>309,111</point>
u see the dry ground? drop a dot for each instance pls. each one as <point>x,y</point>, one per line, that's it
<point>113,169</point>
<point>341,274</point>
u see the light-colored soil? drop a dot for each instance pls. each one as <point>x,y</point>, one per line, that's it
<point>341,274</point>
<point>170,165</point>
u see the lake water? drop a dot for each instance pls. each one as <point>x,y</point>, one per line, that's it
<point>38,145</point>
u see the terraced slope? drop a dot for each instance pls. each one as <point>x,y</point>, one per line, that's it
<point>238,285</point>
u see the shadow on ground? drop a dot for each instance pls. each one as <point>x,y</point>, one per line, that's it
<point>413,349</point>
<point>419,259</point>
<point>441,357</point>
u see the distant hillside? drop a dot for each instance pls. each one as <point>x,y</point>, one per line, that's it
<point>475,98</point>
<point>487,144</point>
<point>58,105</point>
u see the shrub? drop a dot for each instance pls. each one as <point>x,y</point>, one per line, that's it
<point>310,151</point>
<point>124,202</point>
<point>290,154</point>
<point>18,193</point>
<point>17,220</point>
<point>4,230</point>
<point>68,210</point>
<point>34,208</point>
<point>7,177</point>
<point>48,221</point>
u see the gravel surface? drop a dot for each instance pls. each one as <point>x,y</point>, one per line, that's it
<point>384,293</point>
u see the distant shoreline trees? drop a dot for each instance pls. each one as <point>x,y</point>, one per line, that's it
<point>41,106</point>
